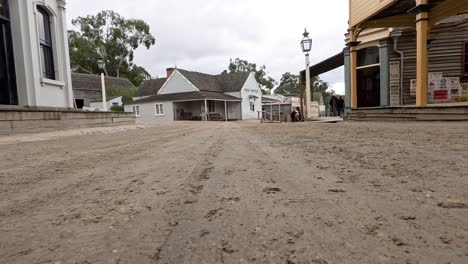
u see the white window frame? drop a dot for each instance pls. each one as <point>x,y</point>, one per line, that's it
<point>136,110</point>
<point>159,110</point>
<point>55,45</point>
<point>252,102</point>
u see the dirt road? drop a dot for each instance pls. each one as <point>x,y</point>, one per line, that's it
<point>239,193</point>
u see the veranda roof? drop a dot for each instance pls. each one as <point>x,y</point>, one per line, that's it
<point>188,96</point>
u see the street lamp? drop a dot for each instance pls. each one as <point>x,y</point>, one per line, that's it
<point>306,45</point>
<point>102,66</point>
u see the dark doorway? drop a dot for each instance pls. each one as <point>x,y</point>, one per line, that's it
<point>8,94</point>
<point>368,77</point>
<point>368,87</point>
<point>79,103</point>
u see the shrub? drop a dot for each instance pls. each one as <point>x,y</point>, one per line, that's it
<point>117,108</point>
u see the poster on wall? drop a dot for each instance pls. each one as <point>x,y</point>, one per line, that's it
<point>413,87</point>
<point>395,83</point>
<point>454,87</point>
<point>440,95</point>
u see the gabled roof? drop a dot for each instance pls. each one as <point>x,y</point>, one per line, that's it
<point>82,81</point>
<point>225,82</point>
<point>198,95</point>
<point>204,82</point>
<point>150,87</point>
<point>233,82</point>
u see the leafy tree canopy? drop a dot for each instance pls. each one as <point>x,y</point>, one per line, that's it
<point>113,38</point>
<point>266,82</point>
<point>289,85</point>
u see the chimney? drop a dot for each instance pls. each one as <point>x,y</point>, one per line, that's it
<point>169,71</point>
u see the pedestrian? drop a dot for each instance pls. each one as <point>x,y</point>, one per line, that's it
<point>333,105</point>
<point>293,116</point>
<point>298,115</point>
<point>340,106</point>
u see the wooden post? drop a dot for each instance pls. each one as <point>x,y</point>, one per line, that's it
<point>353,76</point>
<point>271,112</point>
<point>206,111</point>
<point>103,88</point>
<point>279,112</point>
<point>225,111</point>
<point>308,89</point>
<point>422,57</point>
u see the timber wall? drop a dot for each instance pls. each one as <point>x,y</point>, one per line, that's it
<point>445,55</point>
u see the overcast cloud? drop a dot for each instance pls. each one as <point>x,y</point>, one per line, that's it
<point>204,35</point>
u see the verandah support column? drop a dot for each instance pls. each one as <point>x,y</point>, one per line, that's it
<point>353,74</point>
<point>225,111</point>
<point>206,112</point>
<point>422,57</point>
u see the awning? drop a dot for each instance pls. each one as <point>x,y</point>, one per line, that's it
<point>327,65</point>
<point>401,13</point>
<point>188,96</point>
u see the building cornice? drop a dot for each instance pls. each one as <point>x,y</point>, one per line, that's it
<point>61,3</point>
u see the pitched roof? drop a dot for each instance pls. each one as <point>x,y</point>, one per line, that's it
<point>150,87</point>
<point>225,82</point>
<point>198,95</point>
<point>82,81</point>
<point>461,17</point>
<point>233,82</point>
<point>204,82</point>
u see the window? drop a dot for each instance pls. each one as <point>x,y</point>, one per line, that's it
<point>252,103</point>
<point>211,106</point>
<point>4,8</point>
<point>465,58</point>
<point>368,57</point>
<point>45,42</point>
<point>115,104</point>
<point>158,110</point>
<point>136,110</point>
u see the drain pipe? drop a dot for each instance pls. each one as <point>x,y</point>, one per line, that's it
<point>396,34</point>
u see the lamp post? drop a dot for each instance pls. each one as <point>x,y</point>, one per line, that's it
<point>306,45</point>
<point>102,65</point>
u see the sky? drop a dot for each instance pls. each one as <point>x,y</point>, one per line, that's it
<point>203,35</point>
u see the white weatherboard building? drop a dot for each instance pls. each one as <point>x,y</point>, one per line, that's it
<point>186,95</point>
<point>34,60</point>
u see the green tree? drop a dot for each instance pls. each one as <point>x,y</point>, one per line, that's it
<point>266,82</point>
<point>289,85</point>
<point>113,38</point>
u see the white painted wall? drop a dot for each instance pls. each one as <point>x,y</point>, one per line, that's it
<point>235,111</point>
<point>177,83</point>
<point>148,113</point>
<point>109,104</point>
<point>33,89</point>
<point>251,88</point>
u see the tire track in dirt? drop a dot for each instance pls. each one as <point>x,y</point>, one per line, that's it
<point>128,208</point>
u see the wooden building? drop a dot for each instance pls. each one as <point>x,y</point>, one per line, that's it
<point>432,39</point>
<point>406,53</point>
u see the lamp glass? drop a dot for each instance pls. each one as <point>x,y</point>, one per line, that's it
<point>101,63</point>
<point>306,44</point>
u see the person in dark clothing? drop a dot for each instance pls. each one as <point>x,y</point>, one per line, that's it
<point>340,105</point>
<point>293,116</point>
<point>333,105</point>
<point>298,114</point>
